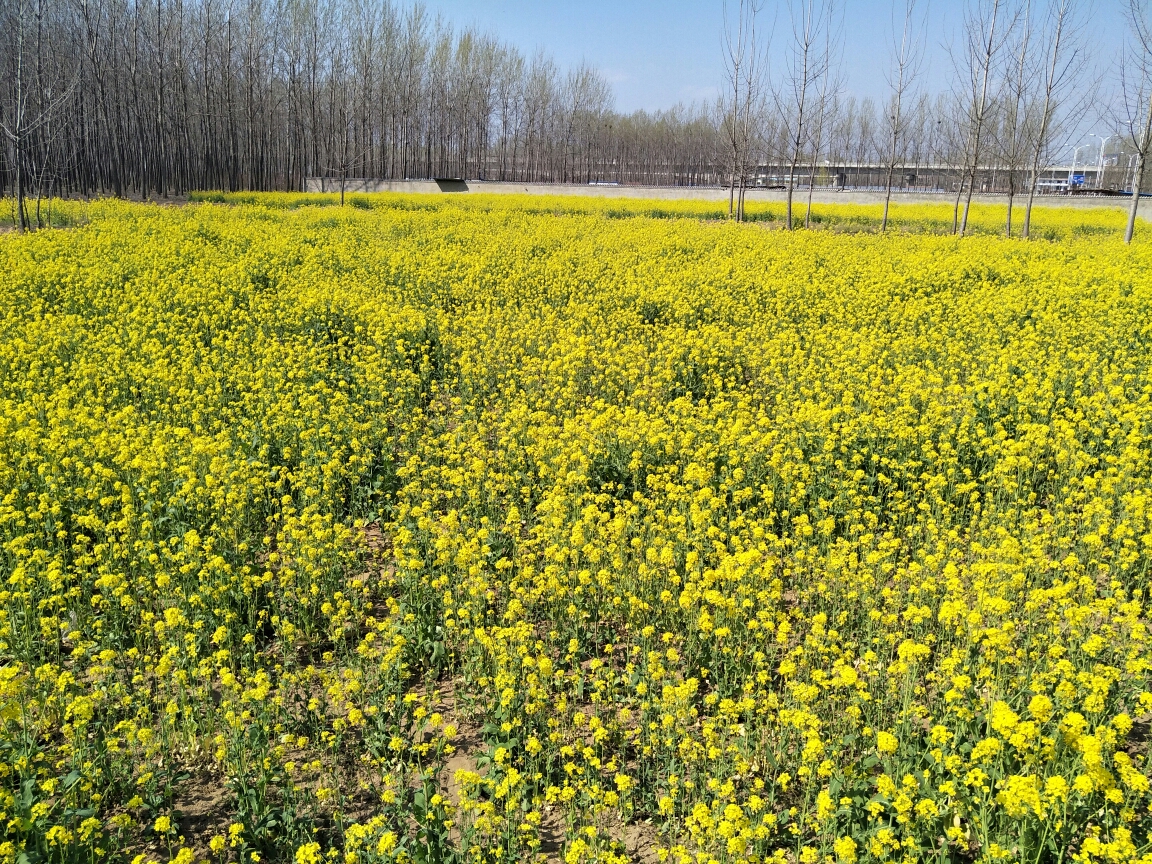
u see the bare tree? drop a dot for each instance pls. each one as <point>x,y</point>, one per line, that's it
<point>830,86</point>
<point>906,57</point>
<point>803,69</point>
<point>587,100</point>
<point>38,97</point>
<point>987,24</point>
<point>1010,131</point>
<point>15,124</point>
<point>1064,61</point>
<point>744,67</point>
<point>1136,93</point>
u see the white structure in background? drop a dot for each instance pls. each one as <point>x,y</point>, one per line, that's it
<point>1091,178</point>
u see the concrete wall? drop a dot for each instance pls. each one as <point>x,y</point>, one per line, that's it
<point>691,193</point>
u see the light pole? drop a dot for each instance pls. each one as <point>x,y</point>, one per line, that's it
<point>1100,161</point>
<point>1072,173</point>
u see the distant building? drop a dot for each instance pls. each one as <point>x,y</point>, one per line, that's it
<point>1059,180</point>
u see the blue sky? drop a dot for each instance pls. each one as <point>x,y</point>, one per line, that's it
<point>659,53</point>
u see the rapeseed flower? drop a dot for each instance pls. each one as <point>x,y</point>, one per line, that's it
<point>443,527</point>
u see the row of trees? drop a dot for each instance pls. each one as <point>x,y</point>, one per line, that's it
<point>148,97</point>
<point>157,97</point>
<point>1021,86</point>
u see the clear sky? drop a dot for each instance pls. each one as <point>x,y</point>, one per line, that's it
<point>659,53</point>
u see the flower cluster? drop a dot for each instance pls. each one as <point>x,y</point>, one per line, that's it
<point>501,530</point>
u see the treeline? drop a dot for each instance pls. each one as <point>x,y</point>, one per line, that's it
<point>155,97</point>
<point>161,96</point>
<point>158,97</point>
<point>1024,84</point>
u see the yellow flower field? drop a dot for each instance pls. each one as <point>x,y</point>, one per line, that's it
<point>478,530</point>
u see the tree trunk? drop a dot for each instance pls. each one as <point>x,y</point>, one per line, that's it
<point>956,209</point>
<point>887,198</point>
<point>968,201</point>
<point>18,132</point>
<point>788,205</point>
<point>21,216</point>
<point>1138,175</point>
<point>1137,181</point>
<point>812,183</point>
<point>1027,227</point>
